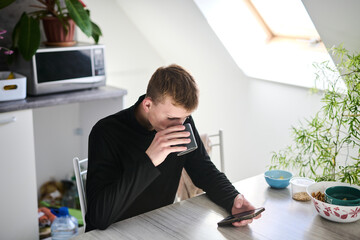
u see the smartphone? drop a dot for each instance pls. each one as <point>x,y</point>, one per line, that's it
<point>240,216</point>
<point>192,145</point>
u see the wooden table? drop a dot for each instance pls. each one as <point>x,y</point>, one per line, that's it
<point>196,218</point>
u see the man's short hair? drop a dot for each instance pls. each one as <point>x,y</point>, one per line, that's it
<point>175,82</point>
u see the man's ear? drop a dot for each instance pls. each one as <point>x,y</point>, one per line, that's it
<point>147,104</point>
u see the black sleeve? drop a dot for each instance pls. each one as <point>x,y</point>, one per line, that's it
<point>116,176</point>
<point>206,176</point>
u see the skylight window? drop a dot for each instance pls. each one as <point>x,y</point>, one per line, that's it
<point>271,40</point>
<point>290,20</point>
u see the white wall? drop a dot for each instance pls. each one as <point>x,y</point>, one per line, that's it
<point>130,59</point>
<point>256,115</point>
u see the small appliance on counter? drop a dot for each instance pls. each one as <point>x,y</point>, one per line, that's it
<point>60,69</point>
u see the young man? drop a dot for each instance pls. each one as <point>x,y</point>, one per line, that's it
<point>133,164</point>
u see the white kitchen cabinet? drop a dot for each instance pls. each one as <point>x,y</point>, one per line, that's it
<point>18,201</point>
<point>39,136</point>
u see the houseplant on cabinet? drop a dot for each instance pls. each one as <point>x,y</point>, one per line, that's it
<point>327,147</point>
<point>65,14</point>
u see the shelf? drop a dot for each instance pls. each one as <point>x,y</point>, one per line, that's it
<point>106,92</point>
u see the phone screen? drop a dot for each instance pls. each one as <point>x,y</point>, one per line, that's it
<point>241,216</point>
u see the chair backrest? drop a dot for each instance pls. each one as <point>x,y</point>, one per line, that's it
<point>186,188</point>
<point>220,143</point>
<point>80,169</point>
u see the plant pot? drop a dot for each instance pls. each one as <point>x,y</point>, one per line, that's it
<point>55,33</point>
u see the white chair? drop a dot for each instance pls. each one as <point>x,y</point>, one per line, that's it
<point>220,143</point>
<point>186,188</point>
<point>80,169</point>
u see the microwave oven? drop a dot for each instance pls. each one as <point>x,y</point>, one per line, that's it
<point>60,69</point>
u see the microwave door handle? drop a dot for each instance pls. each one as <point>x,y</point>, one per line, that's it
<point>81,82</point>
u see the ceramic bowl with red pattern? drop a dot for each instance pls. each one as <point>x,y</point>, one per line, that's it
<point>333,212</point>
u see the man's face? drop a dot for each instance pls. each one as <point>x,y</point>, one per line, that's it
<point>165,114</point>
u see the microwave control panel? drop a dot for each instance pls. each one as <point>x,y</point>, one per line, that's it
<point>99,65</point>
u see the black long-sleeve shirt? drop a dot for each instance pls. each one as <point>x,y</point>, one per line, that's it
<point>123,182</point>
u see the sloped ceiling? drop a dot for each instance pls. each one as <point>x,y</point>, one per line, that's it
<point>337,21</point>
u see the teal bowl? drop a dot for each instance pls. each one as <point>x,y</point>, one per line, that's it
<point>278,178</point>
<point>342,195</point>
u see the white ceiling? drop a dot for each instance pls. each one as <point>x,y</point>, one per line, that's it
<point>337,21</point>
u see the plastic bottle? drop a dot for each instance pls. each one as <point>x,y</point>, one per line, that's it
<point>64,226</point>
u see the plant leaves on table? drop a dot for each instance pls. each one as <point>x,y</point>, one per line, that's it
<point>327,147</point>
<point>80,16</point>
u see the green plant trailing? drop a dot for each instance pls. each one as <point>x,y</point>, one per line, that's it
<point>327,146</point>
<point>26,34</point>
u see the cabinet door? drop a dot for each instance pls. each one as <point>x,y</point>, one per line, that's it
<point>18,201</point>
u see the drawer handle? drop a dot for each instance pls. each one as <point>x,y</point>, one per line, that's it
<point>10,87</point>
<point>7,120</point>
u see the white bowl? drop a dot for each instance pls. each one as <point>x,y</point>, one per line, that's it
<point>335,213</point>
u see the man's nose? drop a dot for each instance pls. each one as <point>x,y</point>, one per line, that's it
<point>178,122</point>
<point>182,121</point>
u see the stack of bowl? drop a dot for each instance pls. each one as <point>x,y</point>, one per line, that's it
<point>336,201</point>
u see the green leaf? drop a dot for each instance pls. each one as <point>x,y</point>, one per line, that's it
<point>96,32</point>
<point>15,34</point>
<point>28,38</point>
<point>5,3</point>
<point>96,29</point>
<point>333,135</point>
<point>80,16</point>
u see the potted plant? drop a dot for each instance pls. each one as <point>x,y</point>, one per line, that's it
<point>63,14</point>
<point>327,146</point>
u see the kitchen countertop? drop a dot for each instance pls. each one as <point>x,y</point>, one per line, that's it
<point>106,92</point>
